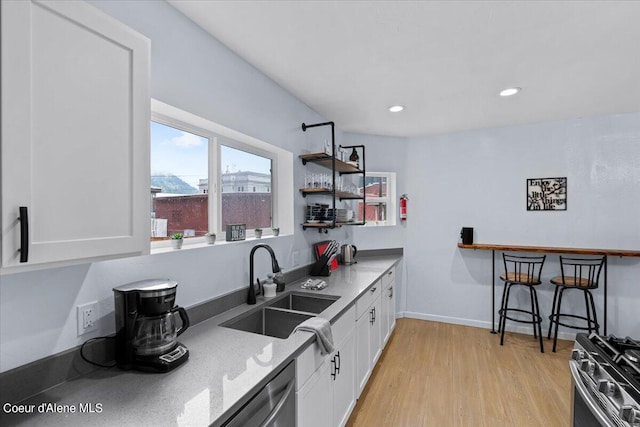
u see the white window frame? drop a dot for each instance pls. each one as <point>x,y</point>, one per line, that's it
<point>390,200</point>
<point>281,171</point>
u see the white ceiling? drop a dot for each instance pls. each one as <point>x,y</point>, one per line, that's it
<point>445,61</point>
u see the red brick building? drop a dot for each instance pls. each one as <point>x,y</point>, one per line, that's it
<point>190,212</point>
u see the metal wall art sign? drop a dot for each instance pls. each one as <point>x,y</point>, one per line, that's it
<point>236,232</point>
<point>547,194</point>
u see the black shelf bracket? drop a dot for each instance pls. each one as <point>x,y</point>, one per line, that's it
<point>304,127</point>
<point>333,162</point>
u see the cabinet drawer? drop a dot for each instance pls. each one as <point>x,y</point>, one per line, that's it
<point>341,327</point>
<point>363,303</point>
<point>388,278</point>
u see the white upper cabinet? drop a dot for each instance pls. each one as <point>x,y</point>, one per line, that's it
<point>75,135</point>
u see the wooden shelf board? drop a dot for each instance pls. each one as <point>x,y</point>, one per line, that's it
<point>340,194</point>
<point>325,160</point>
<point>323,225</point>
<point>551,249</point>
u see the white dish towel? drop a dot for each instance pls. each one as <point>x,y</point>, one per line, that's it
<point>322,328</point>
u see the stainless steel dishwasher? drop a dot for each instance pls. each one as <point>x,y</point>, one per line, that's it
<point>273,406</point>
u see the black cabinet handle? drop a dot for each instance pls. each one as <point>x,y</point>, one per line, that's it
<point>334,370</point>
<point>24,234</point>
<point>371,316</point>
<point>374,315</point>
<point>337,362</point>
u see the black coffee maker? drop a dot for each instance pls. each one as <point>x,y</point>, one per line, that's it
<point>146,328</point>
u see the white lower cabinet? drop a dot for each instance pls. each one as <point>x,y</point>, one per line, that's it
<point>328,386</point>
<point>325,385</point>
<point>388,305</point>
<point>344,384</point>
<point>368,334</point>
<point>315,401</point>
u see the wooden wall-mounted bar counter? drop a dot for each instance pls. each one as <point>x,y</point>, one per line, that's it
<point>550,250</point>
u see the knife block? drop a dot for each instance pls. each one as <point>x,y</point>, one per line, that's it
<point>321,267</point>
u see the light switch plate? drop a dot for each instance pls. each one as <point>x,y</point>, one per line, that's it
<point>87,315</point>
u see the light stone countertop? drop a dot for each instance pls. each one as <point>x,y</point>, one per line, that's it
<point>224,369</point>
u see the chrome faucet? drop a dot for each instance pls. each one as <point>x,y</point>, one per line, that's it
<point>251,299</point>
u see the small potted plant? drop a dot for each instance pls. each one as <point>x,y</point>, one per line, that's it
<point>176,240</point>
<point>276,230</point>
<point>211,237</point>
<point>258,232</point>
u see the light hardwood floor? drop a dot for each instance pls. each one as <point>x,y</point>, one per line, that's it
<point>438,374</point>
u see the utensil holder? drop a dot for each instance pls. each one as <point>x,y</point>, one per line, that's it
<point>321,267</point>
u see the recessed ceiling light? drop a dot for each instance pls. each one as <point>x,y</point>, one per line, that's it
<point>396,108</point>
<point>510,91</point>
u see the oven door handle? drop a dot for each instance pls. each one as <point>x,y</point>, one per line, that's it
<point>275,412</point>
<point>587,398</point>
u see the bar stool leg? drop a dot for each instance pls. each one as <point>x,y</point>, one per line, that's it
<point>554,310</point>
<point>533,313</point>
<point>595,315</point>
<point>538,318</point>
<point>557,319</point>
<point>503,314</point>
<point>587,306</point>
<point>502,305</point>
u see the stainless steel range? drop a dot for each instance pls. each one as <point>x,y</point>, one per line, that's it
<point>606,381</point>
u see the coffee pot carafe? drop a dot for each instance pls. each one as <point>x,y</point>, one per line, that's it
<point>156,335</point>
<point>147,326</point>
<point>347,254</point>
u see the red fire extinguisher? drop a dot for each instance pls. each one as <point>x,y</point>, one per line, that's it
<point>403,207</point>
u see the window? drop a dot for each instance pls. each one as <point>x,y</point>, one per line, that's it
<point>243,207</point>
<point>179,165</point>
<point>205,176</point>
<point>380,189</point>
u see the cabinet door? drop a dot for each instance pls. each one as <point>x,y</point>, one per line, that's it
<point>391,312</point>
<point>75,133</point>
<point>363,361</point>
<point>344,384</point>
<point>384,318</point>
<point>314,400</point>
<point>375,338</point>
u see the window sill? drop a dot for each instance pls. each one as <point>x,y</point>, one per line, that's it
<point>373,224</point>
<point>197,243</point>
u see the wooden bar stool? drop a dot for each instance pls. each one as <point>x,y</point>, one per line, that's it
<point>523,271</point>
<point>581,274</point>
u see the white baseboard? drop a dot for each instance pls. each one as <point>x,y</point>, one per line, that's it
<point>570,336</point>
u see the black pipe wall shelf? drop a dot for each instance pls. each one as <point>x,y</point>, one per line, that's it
<point>330,161</point>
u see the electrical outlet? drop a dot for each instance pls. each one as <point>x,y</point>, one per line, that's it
<point>87,317</point>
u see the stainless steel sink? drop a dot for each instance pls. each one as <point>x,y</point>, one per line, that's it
<point>280,316</point>
<point>269,321</point>
<point>304,302</point>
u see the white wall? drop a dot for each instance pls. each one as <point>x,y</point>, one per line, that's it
<point>194,72</point>
<point>477,179</point>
